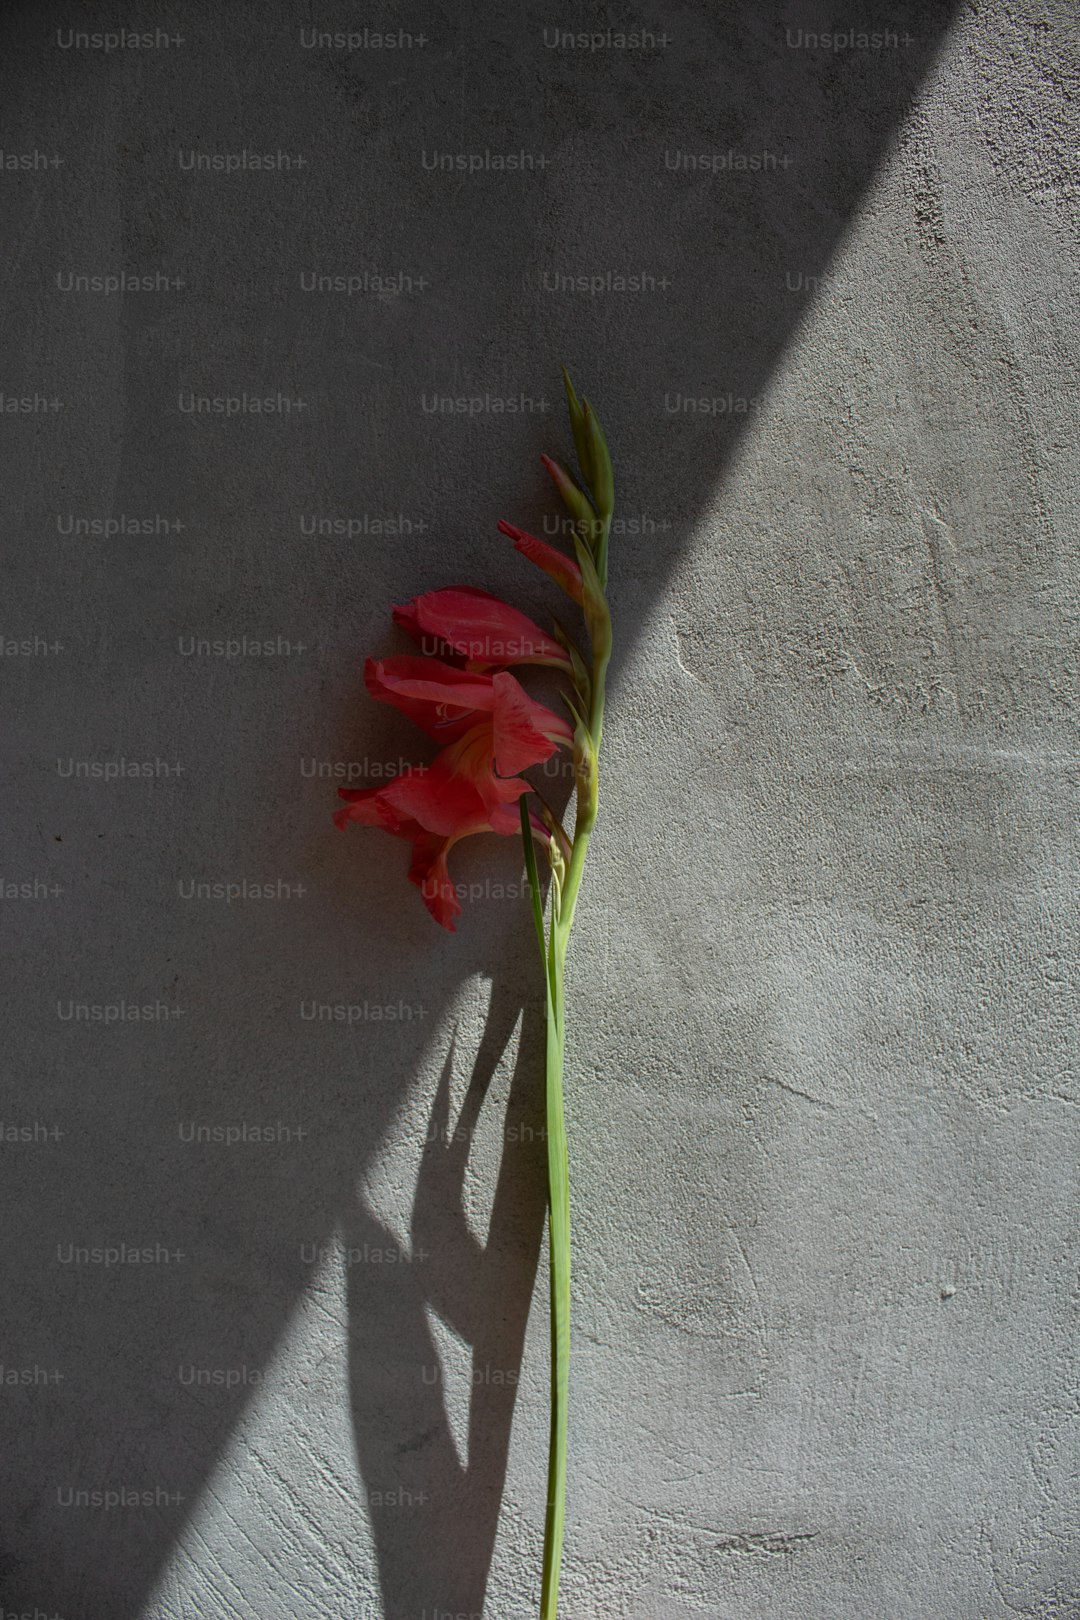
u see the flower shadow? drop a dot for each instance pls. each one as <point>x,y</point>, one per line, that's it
<point>433,1515</point>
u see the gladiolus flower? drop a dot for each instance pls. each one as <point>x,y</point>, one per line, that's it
<point>493,730</point>
<point>487,632</point>
<point>455,797</point>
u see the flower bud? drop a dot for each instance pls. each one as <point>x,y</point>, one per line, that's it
<point>577,424</point>
<point>577,503</point>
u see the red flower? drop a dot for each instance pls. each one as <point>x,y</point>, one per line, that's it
<point>492,730</point>
<point>467,700</point>
<point>456,796</point>
<point>487,632</point>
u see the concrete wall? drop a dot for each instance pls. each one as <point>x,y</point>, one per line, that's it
<point>822,1097</point>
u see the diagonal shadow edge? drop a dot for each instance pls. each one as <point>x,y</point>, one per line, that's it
<point>149,1567</point>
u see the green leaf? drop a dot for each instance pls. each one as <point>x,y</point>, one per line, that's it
<point>575,711</point>
<point>582,678</point>
<point>534,878</point>
<point>601,477</point>
<point>594,603</point>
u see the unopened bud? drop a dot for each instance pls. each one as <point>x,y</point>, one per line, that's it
<point>575,500</point>
<point>577,424</point>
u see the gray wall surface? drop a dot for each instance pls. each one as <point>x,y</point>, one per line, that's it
<point>821,1061</point>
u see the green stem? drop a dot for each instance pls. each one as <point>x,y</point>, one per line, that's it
<point>553,950</point>
<point>559,1218</point>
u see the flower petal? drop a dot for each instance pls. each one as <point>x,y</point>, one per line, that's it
<point>371,808</point>
<point>431,875</point>
<point>442,799</point>
<point>525,732</point>
<point>482,628</point>
<point>405,617</point>
<point>442,699</point>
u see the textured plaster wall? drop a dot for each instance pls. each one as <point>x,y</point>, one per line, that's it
<point>822,1081</point>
